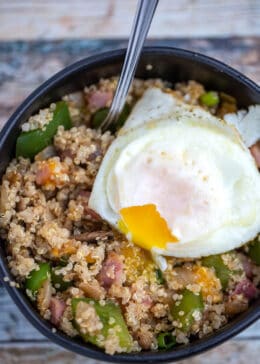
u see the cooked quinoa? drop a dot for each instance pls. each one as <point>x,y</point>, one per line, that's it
<point>88,279</point>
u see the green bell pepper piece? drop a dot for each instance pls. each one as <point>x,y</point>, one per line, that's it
<point>123,116</point>
<point>183,313</point>
<point>101,114</point>
<point>254,251</point>
<point>209,99</point>
<point>99,117</point>
<point>30,143</point>
<point>159,276</point>
<point>165,340</point>
<point>37,277</point>
<point>58,280</point>
<point>221,270</point>
<point>110,316</point>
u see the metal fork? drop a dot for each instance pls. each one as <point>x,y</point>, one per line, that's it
<point>141,25</point>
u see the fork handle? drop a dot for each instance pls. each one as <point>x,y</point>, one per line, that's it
<point>141,25</point>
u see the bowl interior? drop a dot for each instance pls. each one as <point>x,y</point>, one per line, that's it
<point>170,64</point>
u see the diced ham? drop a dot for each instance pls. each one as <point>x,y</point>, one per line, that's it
<point>147,301</point>
<point>255,151</point>
<point>112,271</point>
<point>246,288</point>
<point>99,99</point>
<point>57,308</point>
<point>43,174</point>
<point>239,299</point>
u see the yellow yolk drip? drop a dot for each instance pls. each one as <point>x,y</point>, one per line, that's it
<point>146,226</point>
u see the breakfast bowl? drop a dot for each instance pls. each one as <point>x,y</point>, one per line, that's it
<point>174,66</point>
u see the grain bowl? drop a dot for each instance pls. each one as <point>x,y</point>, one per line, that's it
<point>74,276</point>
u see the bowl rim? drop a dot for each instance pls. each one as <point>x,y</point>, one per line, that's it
<point>17,295</point>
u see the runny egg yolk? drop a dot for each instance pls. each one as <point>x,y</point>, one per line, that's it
<point>147,228</point>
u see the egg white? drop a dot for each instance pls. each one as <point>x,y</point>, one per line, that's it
<point>247,123</point>
<point>206,151</point>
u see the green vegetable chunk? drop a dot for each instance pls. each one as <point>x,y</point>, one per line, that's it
<point>37,277</point>
<point>159,276</point>
<point>111,317</point>
<point>99,117</point>
<point>210,99</point>
<point>123,116</point>
<point>101,114</point>
<point>165,340</point>
<point>254,251</point>
<point>221,270</point>
<point>58,280</point>
<point>30,143</point>
<point>189,304</point>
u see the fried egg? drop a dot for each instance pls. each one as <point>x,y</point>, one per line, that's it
<point>178,181</point>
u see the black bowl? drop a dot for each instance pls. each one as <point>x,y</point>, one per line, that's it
<point>167,63</point>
